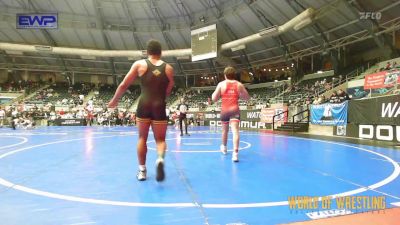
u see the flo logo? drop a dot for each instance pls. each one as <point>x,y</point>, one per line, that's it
<point>370,15</point>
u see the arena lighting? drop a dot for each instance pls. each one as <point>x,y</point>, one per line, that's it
<point>276,80</point>
<point>10,52</point>
<point>319,71</point>
<point>43,48</point>
<point>240,47</point>
<point>283,69</point>
<point>276,70</point>
<point>269,30</point>
<point>202,19</point>
<point>303,24</point>
<point>183,57</point>
<point>289,78</point>
<point>269,70</point>
<point>88,57</point>
<point>265,70</point>
<point>287,67</point>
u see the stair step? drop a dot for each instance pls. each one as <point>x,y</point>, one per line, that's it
<point>286,126</point>
<point>294,125</point>
<point>292,128</point>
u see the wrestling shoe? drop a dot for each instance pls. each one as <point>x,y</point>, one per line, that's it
<point>235,157</point>
<point>223,149</point>
<point>141,175</point>
<point>160,176</point>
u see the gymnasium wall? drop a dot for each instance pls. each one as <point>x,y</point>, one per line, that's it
<point>320,130</point>
<point>85,78</point>
<point>3,76</point>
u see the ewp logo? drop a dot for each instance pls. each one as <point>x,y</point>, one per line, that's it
<point>37,21</point>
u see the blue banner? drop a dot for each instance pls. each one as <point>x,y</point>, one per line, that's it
<point>329,114</point>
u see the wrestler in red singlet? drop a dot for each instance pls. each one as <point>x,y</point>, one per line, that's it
<point>230,102</point>
<point>230,91</point>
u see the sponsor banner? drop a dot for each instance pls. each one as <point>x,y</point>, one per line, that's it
<point>247,115</point>
<point>381,79</point>
<point>250,115</point>
<point>360,92</point>
<point>37,21</point>
<point>388,133</point>
<point>357,92</point>
<point>267,114</point>
<point>328,213</point>
<point>340,131</point>
<point>249,119</point>
<point>382,111</point>
<point>212,115</point>
<point>243,124</point>
<point>329,114</point>
<point>69,122</point>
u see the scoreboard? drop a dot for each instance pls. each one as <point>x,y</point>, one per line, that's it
<point>204,43</point>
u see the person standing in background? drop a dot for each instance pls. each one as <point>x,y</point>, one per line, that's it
<point>2,117</point>
<point>182,109</point>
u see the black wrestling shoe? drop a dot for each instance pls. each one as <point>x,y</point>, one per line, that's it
<point>160,176</point>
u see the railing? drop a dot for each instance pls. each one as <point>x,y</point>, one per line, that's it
<point>299,113</point>
<point>11,92</point>
<point>346,78</point>
<point>273,118</point>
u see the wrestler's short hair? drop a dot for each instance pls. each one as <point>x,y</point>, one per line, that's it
<point>230,73</point>
<point>153,47</point>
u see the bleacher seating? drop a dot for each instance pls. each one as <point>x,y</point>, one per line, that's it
<point>199,99</point>
<point>304,92</point>
<point>60,94</point>
<point>21,86</point>
<point>106,92</point>
<point>260,96</point>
